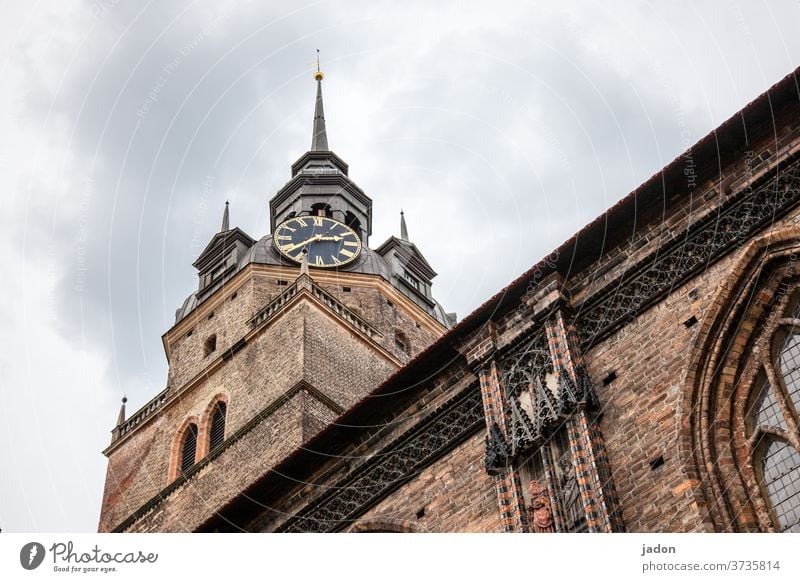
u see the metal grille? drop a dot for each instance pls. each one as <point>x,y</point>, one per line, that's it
<point>189,448</point>
<point>218,425</point>
<point>781,469</point>
<point>766,411</point>
<point>712,237</point>
<point>789,362</point>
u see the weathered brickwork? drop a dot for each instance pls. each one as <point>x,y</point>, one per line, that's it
<point>297,346</point>
<point>339,366</point>
<point>574,400</point>
<point>453,495</point>
<point>229,321</point>
<point>213,485</point>
<point>387,317</point>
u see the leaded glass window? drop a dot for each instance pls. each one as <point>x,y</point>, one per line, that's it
<point>774,420</point>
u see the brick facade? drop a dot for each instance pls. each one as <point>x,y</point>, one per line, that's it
<point>583,397</point>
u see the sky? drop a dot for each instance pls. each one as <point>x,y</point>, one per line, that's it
<point>499,128</point>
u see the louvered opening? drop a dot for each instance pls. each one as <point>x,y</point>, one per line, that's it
<point>189,448</point>
<point>218,424</point>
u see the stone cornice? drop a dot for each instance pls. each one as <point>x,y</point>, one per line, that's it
<point>320,276</point>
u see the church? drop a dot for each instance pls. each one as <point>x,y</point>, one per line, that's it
<point>642,377</point>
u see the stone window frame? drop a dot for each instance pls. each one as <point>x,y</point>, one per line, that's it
<point>763,372</point>
<point>718,448</point>
<point>176,448</point>
<point>204,428</point>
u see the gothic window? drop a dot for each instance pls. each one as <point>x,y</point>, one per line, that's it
<point>188,448</point>
<point>774,418</point>
<point>217,431</point>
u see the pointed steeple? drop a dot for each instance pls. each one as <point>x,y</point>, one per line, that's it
<point>319,139</point>
<point>225,219</point>
<point>121,417</point>
<point>403,227</point>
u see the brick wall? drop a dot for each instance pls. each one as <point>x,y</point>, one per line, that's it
<point>642,414</point>
<point>452,495</point>
<point>301,343</point>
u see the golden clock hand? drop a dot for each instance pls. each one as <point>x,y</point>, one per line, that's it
<point>300,244</point>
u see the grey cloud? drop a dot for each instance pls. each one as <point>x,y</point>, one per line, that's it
<point>499,133</point>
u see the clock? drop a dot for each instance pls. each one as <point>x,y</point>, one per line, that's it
<point>329,243</point>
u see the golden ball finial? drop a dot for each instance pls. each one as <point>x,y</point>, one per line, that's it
<point>318,76</point>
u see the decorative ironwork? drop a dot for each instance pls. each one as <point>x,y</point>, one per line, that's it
<point>545,407</point>
<point>496,450</point>
<point>572,394</point>
<point>399,462</point>
<point>568,396</point>
<point>523,433</point>
<point>524,365</point>
<point>708,240</point>
<point>524,376</point>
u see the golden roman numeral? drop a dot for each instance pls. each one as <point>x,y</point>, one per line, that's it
<point>347,253</point>
<point>283,237</point>
<point>319,261</point>
<point>350,243</point>
<point>302,222</point>
<point>317,220</point>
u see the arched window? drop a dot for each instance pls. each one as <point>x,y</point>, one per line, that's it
<point>217,430</point>
<point>774,418</point>
<point>210,344</point>
<point>742,394</point>
<point>321,209</point>
<point>188,448</point>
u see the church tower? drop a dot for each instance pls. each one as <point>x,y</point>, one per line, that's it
<point>282,335</point>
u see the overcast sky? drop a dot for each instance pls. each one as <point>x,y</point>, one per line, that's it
<point>500,128</point>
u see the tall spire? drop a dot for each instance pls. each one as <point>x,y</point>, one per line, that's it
<point>403,227</point>
<point>319,139</point>
<point>225,219</point>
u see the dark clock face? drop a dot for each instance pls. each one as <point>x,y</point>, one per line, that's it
<point>329,242</point>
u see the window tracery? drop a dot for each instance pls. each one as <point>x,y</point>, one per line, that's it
<point>773,418</point>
